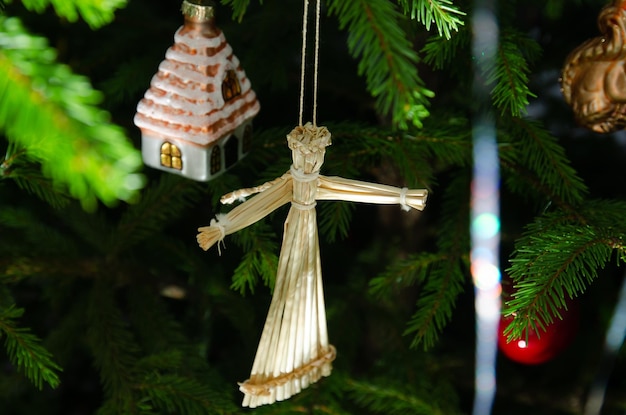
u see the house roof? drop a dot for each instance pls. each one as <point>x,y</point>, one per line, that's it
<point>185,97</point>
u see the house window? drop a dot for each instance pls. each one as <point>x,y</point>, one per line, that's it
<point>216,160</point>
<point>230,86</point>
<point>171,156</point>
<point>247,138</point>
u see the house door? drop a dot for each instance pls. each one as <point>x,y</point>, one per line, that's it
<point>231,151</point>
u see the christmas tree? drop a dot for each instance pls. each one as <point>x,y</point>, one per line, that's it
<point>108,306</point>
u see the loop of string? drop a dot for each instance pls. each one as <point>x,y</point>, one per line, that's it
<point>403,204</point>
<point>219,222</point>
<point>303,206</point>
<point>302,177</point>
<point>305,16</point>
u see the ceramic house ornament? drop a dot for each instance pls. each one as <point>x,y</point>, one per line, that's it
<point>196,118</point>
<point>593,80</point>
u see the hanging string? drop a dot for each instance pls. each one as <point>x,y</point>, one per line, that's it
<point>305,17</point>
<point>315,69</point>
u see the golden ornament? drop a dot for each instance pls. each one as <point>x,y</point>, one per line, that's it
<point>593,80</point>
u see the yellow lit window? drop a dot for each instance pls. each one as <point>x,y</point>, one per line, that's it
<point>171,156</point>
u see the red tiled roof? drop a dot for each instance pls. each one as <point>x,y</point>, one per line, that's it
<point>185,97</point>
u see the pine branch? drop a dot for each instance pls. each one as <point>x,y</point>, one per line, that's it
<point>208,293</point>
<point>536,152</point>
<point>403,274</point>
<point>52,113</point>
<point>171,193</point>
<point>509,75</point>
<point>36,238</point>
<point>334,220</point>
<point>446,140</point>
<point>443,13</point>
<point>239,7</point>
<point>385,399</point>
<point>436,302</point>
<point>557,258</point>
<point>387,58</point>
<point>28,176</point>
<point>112,345</point>
<point>260,259</point>
<point>439,275</point>
<point>176,394</point>
<point>96,13</point>
<point>440,52</point>
<point>25,351</point>
<point>158,332</point>
<point>128,81</point>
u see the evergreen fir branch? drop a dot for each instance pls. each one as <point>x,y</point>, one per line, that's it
<point>385,399</point>
<point>128,80</point>
<point>158,332</point>
<point>28,176</point>
<point>222,185</point>
<point>440,52</point>
<point>537,150</point>
<point>112,345</point>
<point>239,7</point>
<point>403,274</point>
<point>509,75</point>
<point>443,13</point>
<point>171,193</point>
<point>260,258</point>
<point>435,304</point>
<point>52,113</point>
<point>453,226</point>
<point>208,293</point>
<point>95,13</point>
<point>387,58</point>
<point>185,396</point>
<point>25,351</point>
<point>170,360</point>
<point>440,279</point>
<point>36,236</point>
<point>446,139</point>
<point>439,275</point>
<point>334,220</point>
<point>558,259</point>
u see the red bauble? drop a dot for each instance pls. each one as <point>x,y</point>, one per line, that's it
<point>540,349</point>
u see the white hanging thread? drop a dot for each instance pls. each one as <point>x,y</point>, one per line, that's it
<point>219,222</point>
<point>317,52</point>
<point>305,16</point>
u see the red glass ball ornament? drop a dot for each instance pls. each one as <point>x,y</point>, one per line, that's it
<point>541,348</point>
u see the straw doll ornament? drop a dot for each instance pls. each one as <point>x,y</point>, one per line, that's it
<point>294,350</point>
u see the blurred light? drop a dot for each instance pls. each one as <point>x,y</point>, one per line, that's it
<point>485,211</point>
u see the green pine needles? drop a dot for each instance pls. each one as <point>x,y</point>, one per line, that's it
<point>49,115</point>
<point>387,58</point>
<point>443,13</point>
<point>559,256</point>
<point>25,350</point>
